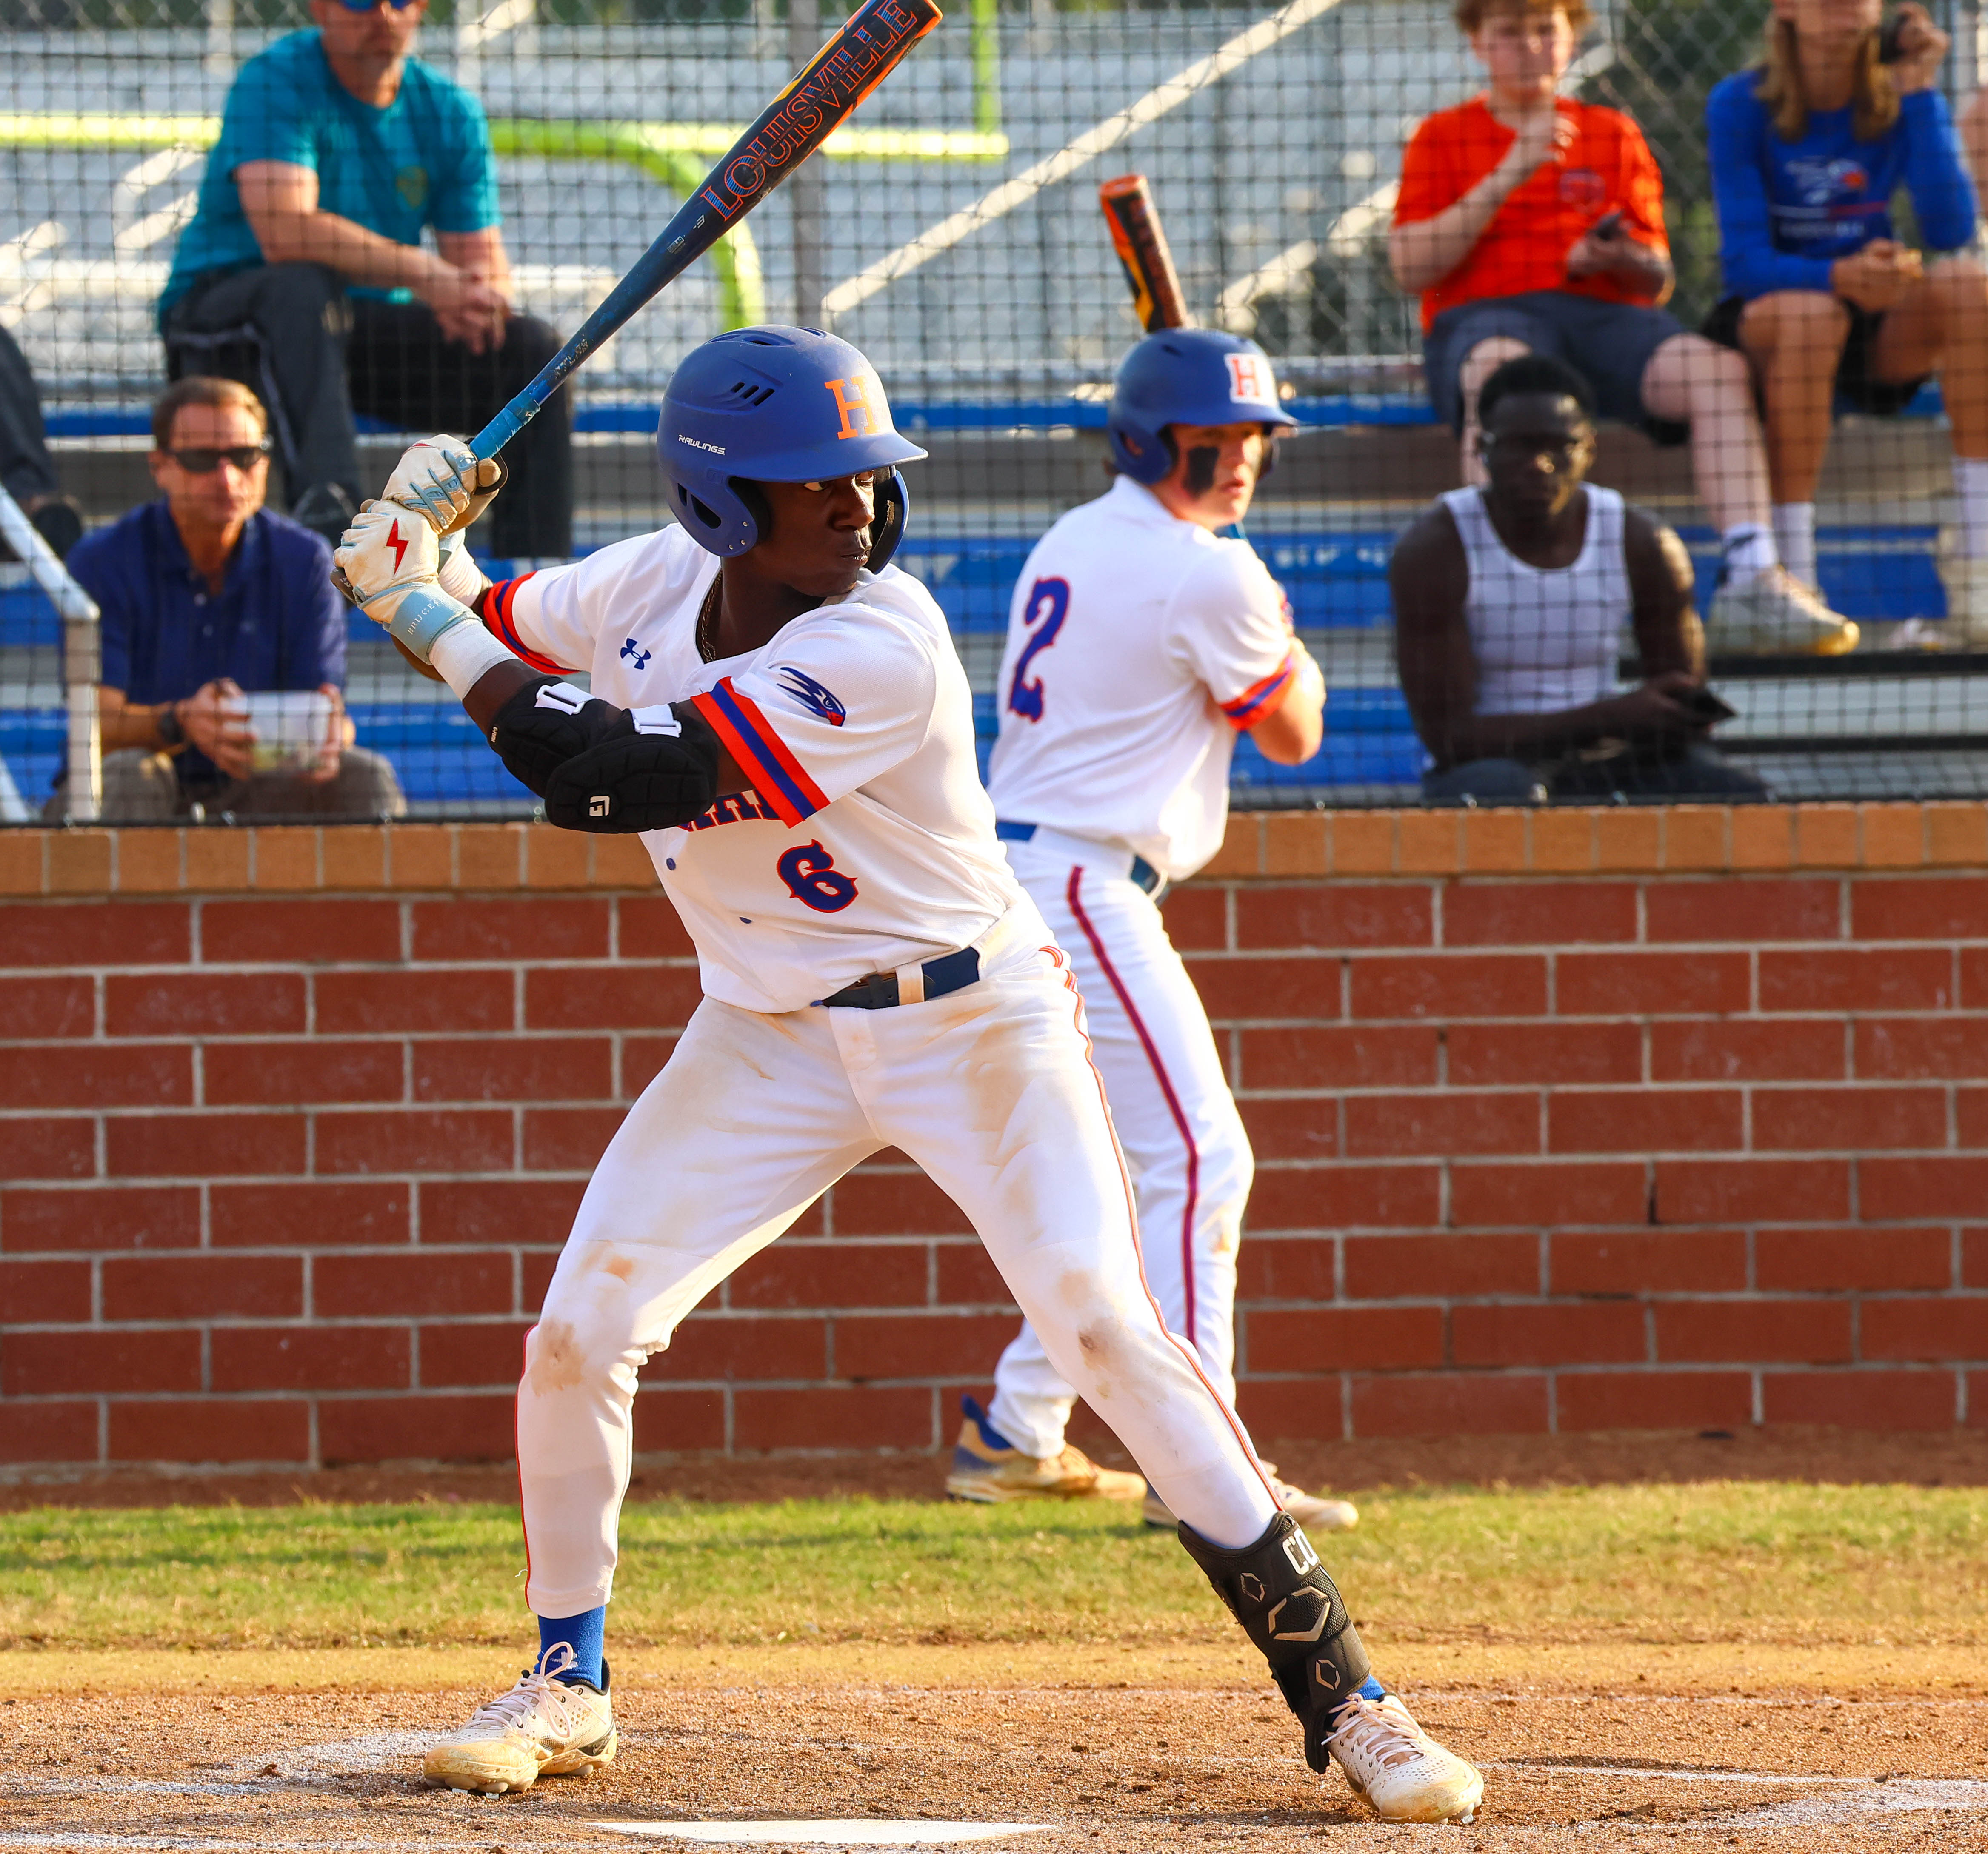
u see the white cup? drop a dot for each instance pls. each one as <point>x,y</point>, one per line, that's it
<point>291,727</point>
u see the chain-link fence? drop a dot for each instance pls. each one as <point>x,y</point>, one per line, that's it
<point>954,234</point>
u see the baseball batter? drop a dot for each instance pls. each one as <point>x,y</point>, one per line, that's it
<point>1139,644</point>
<point>783,716</point>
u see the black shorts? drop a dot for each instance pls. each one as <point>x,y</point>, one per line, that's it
<point>1609,344</point>
<point>1857,389</point>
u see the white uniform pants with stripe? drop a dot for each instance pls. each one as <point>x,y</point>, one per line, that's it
<point>1176,1120</point>
<point>991,1089</point>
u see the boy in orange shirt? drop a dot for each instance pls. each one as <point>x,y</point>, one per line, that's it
<point>1528,224</point>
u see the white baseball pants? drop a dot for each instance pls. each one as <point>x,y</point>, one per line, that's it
<point>991,1089</point>
<point>1192,1166</point>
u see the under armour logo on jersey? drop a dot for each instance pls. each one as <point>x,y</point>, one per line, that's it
<point>399,546</point>
<point>859,400</point>
<point>812,695</point>
<point>1250,378</point>
<point>632,649</point>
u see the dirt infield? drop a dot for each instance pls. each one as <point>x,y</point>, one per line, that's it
<point>1122,1758</point>
<point>1748,1741</point>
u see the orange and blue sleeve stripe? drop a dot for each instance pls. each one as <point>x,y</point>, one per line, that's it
<point>1260,699</point>
<point>780,779</point>
<point>494,608</point>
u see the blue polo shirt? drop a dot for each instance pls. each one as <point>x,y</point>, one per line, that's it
<point>277,623</point>
<point>425,159</point>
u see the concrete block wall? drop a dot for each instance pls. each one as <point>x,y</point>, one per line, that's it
<point>1569,1120</point>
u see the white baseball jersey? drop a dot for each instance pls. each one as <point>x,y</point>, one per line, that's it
<point>1139,646</point>
<point>865,842</point>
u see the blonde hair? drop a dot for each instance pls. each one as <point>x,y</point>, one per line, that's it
<point>1874,100</point>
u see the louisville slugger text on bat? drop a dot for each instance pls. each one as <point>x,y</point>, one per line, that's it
<point>814,104</point>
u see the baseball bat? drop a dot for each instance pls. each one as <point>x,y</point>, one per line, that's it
<point>1141,247</point>
<point>814,104</point>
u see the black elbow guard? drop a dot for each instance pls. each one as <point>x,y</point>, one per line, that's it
<point>602,768</point>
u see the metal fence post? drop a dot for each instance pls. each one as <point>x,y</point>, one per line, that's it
<point>82,659</point>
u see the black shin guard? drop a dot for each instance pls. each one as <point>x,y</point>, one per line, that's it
<point>1279,1591</point>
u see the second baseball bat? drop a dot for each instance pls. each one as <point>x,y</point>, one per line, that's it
<point>1141,247</point>
<point>816,103</point>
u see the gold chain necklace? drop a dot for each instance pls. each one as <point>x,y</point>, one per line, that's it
<point>707,622</point>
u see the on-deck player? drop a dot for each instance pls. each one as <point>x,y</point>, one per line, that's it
<point>1139,644</point>
<point>783,716</point>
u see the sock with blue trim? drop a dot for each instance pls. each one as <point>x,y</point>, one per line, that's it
<point>586,1635</point>
<point>977,1417</point>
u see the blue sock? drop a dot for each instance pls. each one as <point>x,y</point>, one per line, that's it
<point>977,1417</point>
<point>586,1634</point>
<point>1371,1689</point>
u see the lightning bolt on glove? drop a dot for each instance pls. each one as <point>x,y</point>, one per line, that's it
<point>390,558</point>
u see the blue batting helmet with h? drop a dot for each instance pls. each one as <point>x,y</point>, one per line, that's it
<point>1186,376</point>
<point>776,405</point>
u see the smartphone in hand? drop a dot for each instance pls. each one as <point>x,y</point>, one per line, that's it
<point>1891,40</point>
<point>1705,706</point>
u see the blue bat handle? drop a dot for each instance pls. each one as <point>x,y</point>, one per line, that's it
<point>506,425</point>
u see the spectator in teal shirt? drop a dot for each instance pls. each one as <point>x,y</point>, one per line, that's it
<point>303,273</point>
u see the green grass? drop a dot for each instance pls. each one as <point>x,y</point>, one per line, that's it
<point>1717,1562</point>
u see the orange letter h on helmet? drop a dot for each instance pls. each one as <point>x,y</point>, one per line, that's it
<point>856,407</point>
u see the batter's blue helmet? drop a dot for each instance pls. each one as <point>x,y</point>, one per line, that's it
<point>1186,376</point>
<point>776,405</point>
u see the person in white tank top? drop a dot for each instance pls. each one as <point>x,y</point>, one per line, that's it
<point>1510,604</point>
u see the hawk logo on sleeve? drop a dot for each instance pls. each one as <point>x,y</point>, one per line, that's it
<point>813,696</point>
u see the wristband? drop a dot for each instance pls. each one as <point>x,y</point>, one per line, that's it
<point>464,654</point>
<point>420,617</point>
<point>457,574</point>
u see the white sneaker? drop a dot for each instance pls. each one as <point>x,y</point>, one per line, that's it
<point>543,1727</point>
<point>1775,615</point>
<point>1399,1768</point>
<point>1315,1512</point>
<point>1966,583</point>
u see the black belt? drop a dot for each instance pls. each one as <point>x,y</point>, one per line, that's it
<point>951,972</point>
<point>1142,874</point>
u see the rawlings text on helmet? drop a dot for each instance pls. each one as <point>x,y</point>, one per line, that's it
<point>776,405</point>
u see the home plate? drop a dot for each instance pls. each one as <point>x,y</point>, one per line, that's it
<point>867,1833</point>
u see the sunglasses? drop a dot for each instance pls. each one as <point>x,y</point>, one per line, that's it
<point>200,463</point>
<point>368,6</point>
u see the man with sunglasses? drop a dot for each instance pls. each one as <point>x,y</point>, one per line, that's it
<point>208,598</point>
<point>303,270</point>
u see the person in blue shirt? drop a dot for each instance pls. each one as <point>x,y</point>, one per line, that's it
<point>1808,152</point>
<point>207,598</point>
<point>303,271</point>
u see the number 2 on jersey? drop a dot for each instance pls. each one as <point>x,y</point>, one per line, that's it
<point>1048,605</point>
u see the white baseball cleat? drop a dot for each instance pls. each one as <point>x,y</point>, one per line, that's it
<point>543,1727</point>
<point>1403,1773</point>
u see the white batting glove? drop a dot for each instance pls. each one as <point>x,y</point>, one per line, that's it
<point>445,480</point>
<point>390,558</point>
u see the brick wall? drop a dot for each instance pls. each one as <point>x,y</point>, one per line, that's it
<point>1574,1120</point>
